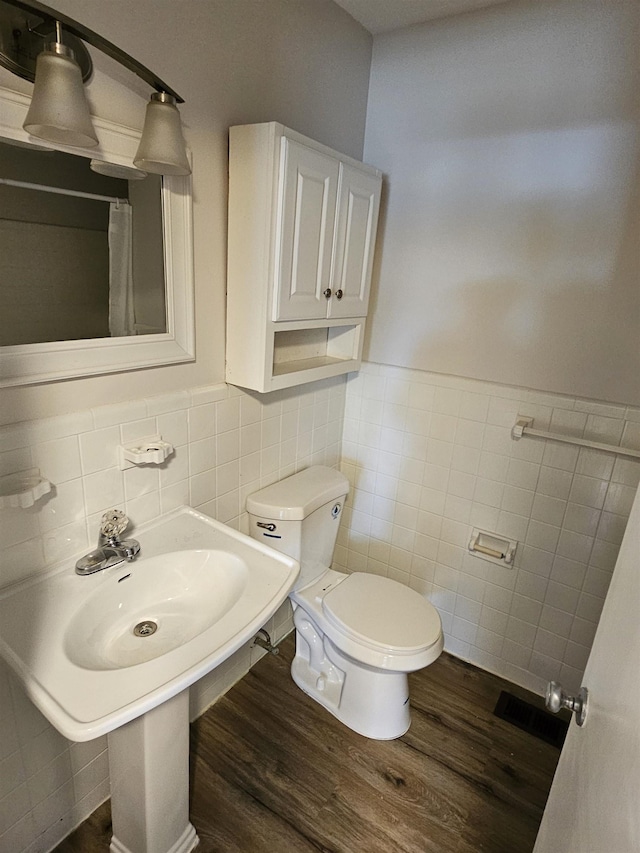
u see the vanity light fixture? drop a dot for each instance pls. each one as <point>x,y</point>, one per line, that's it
<point>59,112</point>
<point>161,148</point>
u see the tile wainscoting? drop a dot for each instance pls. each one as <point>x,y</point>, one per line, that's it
<point>228,443</point>
<point>431,456</point>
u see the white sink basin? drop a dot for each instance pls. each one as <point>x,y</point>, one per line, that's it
<point>173,598</point>
<point>206,587</point>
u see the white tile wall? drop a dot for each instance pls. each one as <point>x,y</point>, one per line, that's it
<point>430,456</point>
<point>227,444</point>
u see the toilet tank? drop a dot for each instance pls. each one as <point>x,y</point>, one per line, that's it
<point>299,516</point>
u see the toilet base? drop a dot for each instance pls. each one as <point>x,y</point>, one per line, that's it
<point>371,702</point>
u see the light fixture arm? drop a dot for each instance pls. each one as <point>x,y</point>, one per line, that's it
<point>80,31</point>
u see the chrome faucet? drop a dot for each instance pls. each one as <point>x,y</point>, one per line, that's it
<point>111,549</point>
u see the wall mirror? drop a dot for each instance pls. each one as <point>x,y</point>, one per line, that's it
<point>96,269</point>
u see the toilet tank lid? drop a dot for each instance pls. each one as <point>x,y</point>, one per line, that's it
<point>296,497</point>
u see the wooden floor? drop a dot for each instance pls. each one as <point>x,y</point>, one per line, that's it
<point>273,772</point>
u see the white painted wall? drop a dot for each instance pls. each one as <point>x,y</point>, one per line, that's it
<point>305,64</point>
<point>510,138</point>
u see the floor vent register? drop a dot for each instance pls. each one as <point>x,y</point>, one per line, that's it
<point>530,719</point>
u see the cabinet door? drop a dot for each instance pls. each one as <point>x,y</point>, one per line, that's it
<point>357,220</point>
<point>309,187</point>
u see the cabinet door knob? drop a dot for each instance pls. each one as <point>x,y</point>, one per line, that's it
<point>339,294</point>
<point>327,293</point>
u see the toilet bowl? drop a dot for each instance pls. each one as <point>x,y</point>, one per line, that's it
<point>357,635</point>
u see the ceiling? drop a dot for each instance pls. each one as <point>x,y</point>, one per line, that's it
<point>381,16</point>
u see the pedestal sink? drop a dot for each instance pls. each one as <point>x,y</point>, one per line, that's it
<point>114,653</point>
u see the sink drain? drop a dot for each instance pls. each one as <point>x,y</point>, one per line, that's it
<point>145,629</point>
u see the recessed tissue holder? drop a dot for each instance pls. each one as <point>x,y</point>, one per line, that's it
<point>492,547</point>
<point>151,450</point>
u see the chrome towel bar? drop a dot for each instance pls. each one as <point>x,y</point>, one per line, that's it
<point>523,427</point>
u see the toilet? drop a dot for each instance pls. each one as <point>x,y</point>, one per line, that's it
<point>357,635</point>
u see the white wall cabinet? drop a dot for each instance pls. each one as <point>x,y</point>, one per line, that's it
<point>302,227</point>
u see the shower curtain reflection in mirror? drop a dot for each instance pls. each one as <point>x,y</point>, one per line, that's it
<point>121,310</point>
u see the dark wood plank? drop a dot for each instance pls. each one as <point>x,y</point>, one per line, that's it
<point>272,770</point>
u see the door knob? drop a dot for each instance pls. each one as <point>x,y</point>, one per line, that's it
<point>327,292</point>
<point>339,294</point>
<point>557,698</point>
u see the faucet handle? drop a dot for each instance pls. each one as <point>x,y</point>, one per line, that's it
<point>113,523</point>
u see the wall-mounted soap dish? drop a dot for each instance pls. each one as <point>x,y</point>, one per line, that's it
<point>23,489</point>
<point>151,450</point>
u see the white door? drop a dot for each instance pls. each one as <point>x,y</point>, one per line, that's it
<point>357,221</point>
<point>594,804</point>
<point>309,188</point>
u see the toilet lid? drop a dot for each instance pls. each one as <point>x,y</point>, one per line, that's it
<point>382,612</point>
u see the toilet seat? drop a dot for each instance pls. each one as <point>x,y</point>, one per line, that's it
<point>375,620</point>
<point>382,613</point>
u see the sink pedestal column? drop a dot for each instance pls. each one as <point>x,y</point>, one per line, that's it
<point>149,770</point>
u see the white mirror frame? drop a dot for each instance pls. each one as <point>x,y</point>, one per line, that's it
<point>46,362</point>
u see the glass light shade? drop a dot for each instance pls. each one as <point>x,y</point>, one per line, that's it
<point>59,110</point>
<point>162,150</point>
<point>115,170</point>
